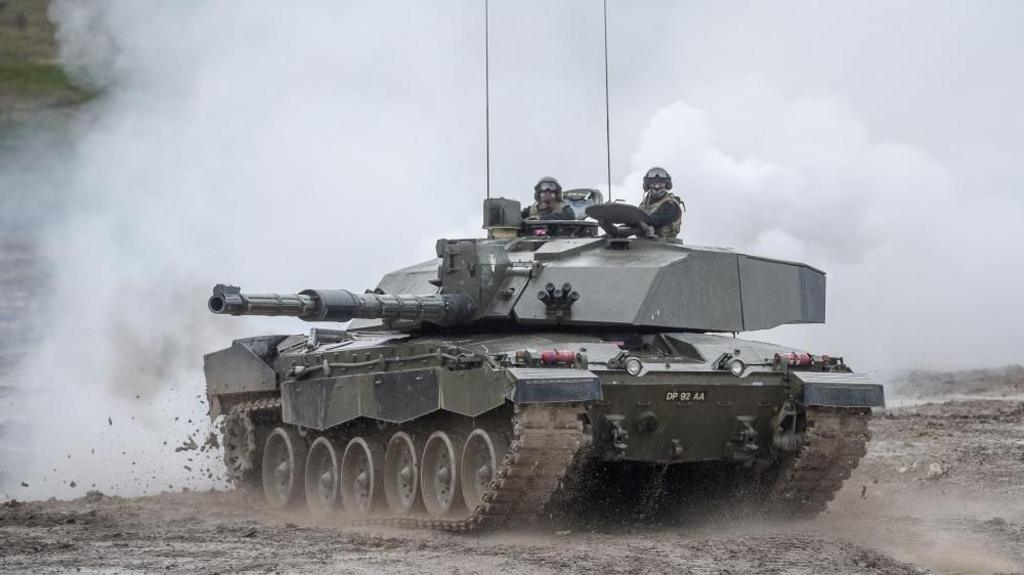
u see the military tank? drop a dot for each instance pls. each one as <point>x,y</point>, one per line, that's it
<point>466,389</point>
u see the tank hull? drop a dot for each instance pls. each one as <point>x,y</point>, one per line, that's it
<point>533,407</point>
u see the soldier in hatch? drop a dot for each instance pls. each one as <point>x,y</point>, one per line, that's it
<point>547,205</point>
<point>664,209</point>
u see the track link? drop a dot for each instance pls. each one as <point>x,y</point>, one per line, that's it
<point>834,442</point>
<point>259,409</point>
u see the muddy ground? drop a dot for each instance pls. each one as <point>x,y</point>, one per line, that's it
<point>941,490</point>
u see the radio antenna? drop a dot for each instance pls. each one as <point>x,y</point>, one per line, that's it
<point>607,115</point>
<point>487,91</point>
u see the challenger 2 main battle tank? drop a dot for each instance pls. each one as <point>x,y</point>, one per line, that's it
<point>466,388</point>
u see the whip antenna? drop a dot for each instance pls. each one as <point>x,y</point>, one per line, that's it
<point>607,116</point>
<point>487,91</point>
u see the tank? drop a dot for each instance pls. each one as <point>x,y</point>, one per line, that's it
<point>513,373</point>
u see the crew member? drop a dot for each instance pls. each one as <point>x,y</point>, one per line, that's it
<point>664,210</point>
<point>547,205</point>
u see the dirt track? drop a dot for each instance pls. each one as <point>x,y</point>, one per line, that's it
<point>941,489</point>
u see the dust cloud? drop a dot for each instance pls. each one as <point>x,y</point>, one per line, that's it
<point>211,154</point>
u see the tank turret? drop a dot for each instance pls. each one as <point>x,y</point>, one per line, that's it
<point>635,282</point>
<point>524,372</point>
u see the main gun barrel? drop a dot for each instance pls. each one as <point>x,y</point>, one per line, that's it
<point>343,305</point>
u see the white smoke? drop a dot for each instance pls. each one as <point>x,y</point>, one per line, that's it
<point>256,146</point>
<point>923,266</point>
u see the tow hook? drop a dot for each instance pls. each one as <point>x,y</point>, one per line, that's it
<point>746,440</point>
<point>619,435</point>
<point>786,438</point>
<point>677,449</point>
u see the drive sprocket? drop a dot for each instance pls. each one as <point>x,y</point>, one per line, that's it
<point>239,447</point>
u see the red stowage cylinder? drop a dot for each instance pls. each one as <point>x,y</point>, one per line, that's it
<point>796,359</point>
<point>558,356</point>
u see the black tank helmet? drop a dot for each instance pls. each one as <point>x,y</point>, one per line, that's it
<point>657,174</point>
<point>545,184</point>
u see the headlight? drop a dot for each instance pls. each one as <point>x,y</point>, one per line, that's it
<point>634,366</point>
<point>736,367</point>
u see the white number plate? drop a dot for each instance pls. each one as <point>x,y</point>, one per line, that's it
<point>685,396</point>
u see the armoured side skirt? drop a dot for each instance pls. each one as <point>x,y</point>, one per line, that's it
<point>394,397</point>
<point>402,396</point>
<point>245,367</point>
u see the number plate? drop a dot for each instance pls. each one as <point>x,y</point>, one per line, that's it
<point>686,396</point>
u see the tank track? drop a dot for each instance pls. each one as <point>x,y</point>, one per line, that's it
<point>545,441</point>
<point>834,442</point>
<point>265,410</point>
<point>259,404</point>
<point>252,413</point>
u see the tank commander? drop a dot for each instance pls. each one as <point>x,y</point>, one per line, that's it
<point>664,209</point>
<point>547,205</point>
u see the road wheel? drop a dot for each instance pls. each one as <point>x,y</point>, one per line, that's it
<point>322,478</point>
<point>481,459</point>
<point>401,474</point>
<point>439,481</point>
<point>359,478</point>
<point>284,463</point>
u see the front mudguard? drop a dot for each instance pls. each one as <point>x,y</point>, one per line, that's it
<point>554,385</point>
<point>828,389</point>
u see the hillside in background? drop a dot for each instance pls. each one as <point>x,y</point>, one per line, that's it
<point>30,77</point>
<point>996,382</point>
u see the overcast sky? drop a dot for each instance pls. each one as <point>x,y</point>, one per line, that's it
<point>281,147</point>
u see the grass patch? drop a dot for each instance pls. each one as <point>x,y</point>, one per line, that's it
<point>30,87</point>
<point>30,77</point>
<point>34,78</point>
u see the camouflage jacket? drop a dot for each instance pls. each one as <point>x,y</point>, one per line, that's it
<point>558,211</point>
<point>665,215</point>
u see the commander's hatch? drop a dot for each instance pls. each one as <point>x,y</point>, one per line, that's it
<point>579,199</point>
